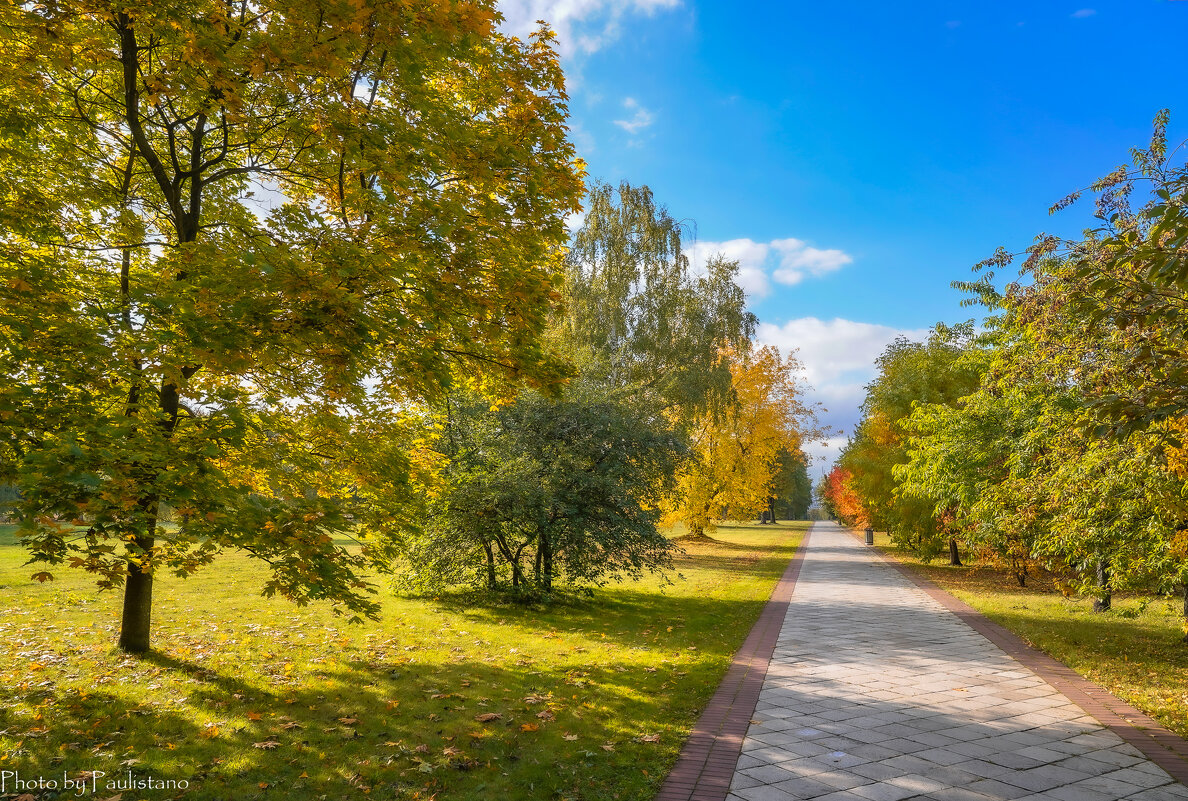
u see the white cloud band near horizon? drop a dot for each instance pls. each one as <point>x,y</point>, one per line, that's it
<point>837,358</point>
<point>784,261</point>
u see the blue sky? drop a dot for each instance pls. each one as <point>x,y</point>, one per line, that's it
<point>858,157</point>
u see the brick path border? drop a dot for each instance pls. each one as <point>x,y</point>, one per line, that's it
<point>1165,748</point>
<point>706,763</point>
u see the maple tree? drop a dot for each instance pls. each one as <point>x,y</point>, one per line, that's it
<point>236,239</point>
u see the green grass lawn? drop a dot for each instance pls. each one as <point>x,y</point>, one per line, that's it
<point>246,697</point>
<point>1134,650</point>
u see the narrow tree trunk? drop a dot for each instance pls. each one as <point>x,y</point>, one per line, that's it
<point>138,603</point>
<point>771,509</point>
<point>546,550</point>
<point>1102,602</point>
<point>538,573</point>
<point>954,556</point>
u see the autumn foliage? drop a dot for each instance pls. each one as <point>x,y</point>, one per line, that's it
<point>1054,440</point>
<point>236,240</point>
<point>737,449</point>
<point>842,501</point>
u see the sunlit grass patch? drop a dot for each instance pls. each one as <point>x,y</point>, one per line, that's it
<point>246,697</point>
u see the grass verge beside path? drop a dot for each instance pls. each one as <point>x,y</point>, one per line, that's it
<point>248,698</point>
<point>1134,650</point>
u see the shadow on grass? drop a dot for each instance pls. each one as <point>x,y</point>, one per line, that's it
<point>388,720</point>
<point>380,722</point>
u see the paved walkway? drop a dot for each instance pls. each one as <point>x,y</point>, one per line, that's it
<point>876,692</point>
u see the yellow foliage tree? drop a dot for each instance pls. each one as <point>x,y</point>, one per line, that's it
<point>736,451</point>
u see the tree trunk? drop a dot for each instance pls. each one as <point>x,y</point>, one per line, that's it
<point>138,603</point>
<point>546,550</point>
<point>1102,602</point>
<point>771,509</point>
<point>954,556</point>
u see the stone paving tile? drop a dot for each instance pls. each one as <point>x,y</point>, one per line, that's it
<point>876,692</point>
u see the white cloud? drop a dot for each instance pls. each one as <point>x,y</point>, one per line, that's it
<point>822,455</point>
<point>750,255</point>
<point>787,261</point>
<point>575,220</point>
<point>582,26</point>
<point>798,260</point>
<point>838,358</point>
<point>642,118</point>
<point>1084,12</point>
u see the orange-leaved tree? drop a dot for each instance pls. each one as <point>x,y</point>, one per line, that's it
<point>842,500</point>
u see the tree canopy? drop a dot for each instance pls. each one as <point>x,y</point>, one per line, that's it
<point>632,300</point>
<point>166,338</point>
<point>1064,453</point>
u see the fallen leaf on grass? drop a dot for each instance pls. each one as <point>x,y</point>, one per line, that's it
<point>254,716</point>
<point>546,715</point>
<point>292,724</point>
<point>568,736</point>
<point>392,705</point>
<point>348,721</point>
<point>487,717</point>
<point>451,751</point>
<point>650,738</point>
<point>528,727</point>
<point>267,745</point>
<point>422,749</point>
<point>608,747</point>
